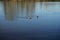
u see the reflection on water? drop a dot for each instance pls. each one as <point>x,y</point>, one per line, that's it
<point>47,13</point>
<point>25,9</point>
<point>20,9</point>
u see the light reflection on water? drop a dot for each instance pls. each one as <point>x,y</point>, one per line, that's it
<point>22,17</point>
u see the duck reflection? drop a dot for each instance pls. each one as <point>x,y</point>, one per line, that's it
<point>14,9</point>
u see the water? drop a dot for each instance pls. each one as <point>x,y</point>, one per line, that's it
<point>20,22</point>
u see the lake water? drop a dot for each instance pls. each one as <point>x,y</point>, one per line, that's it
<point>30,21</point>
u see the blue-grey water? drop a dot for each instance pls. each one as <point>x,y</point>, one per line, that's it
<point>30,21</point>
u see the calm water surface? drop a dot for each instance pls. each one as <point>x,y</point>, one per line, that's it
<point>30,21</point>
